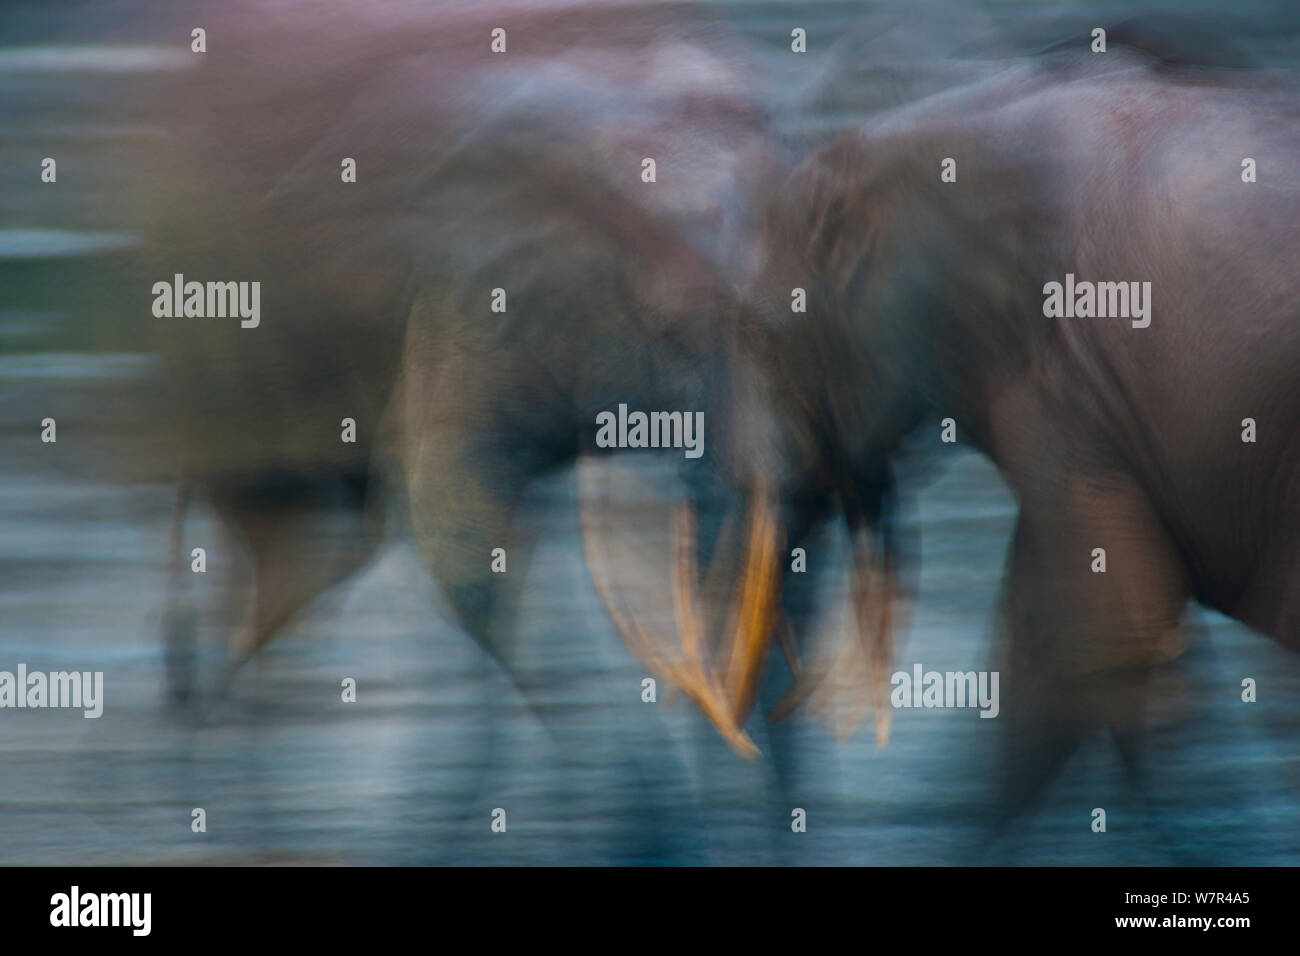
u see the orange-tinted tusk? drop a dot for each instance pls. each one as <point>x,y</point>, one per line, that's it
<point>690,674</point>
<point>752,629</point>
<point>700,683</point>
<point>599,561</point>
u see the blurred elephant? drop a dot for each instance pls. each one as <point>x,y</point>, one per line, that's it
<point>934,247</point>
<point>533,237</point>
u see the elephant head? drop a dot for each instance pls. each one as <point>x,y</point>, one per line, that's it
<point>805,416</point>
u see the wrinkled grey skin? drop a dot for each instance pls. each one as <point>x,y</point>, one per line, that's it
<point>926,302</point>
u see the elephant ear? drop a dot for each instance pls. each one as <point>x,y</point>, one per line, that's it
<point>820,231</point>
<point>831,190</point>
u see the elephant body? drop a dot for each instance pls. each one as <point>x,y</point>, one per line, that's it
<point>927,300</point>
<point>503,268</point>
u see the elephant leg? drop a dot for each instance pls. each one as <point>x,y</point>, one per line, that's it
<point>472,433</point>
<point>463,492</point>
<point>466,471</point>
<point>465,503</point>
<point>1081,640</point>
<point>463,508</point>
<point>304,534</point>
<point>795,746</point>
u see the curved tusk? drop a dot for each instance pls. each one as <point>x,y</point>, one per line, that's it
<point>599,561</point>
<point>752,630</point>
<point>691,678</point>
<point>833,683</point>
<point>702,686</point>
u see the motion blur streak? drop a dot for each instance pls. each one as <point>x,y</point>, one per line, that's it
<point>393,481</point>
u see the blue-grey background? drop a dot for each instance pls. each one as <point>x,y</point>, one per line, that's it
<point>438,736</point>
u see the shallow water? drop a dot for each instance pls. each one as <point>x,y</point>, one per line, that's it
<point>438,737</point>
